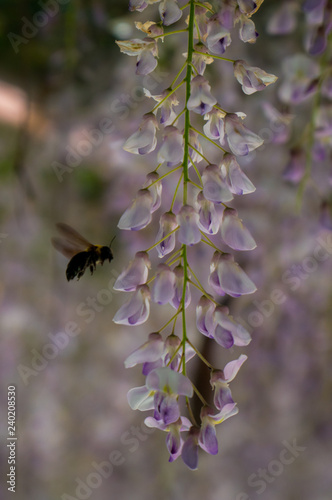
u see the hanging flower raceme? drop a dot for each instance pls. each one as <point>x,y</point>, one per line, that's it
<point>197,219</point>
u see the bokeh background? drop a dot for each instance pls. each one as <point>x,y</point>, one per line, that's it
<point>58,86</point>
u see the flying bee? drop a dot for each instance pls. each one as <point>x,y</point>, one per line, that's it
<point>80,251</point>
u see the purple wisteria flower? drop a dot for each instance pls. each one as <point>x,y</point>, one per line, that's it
<point>163,287</point>
<point>169,12</point>
<point>227,331</point>
<point>144,140</point>
<point>145,50</point>
<point>228,277</point>
<point>209,214</point>
<point>135,274</point>
<point>251,78</point>
<point>136,310</point>
<point>236,180</point>
<point>215,126</point>
<point>171,150</point>
<point>178,289</point>
<point>234,233</point>
<point>138,215</point>
<point>220,380</point>
<point>205,321</point>
<point>152,350</point>
<point>168,223</point>
<point>167,113</point>
<point>239,138</point>
<point>155,189</point>
<point>218,35</point>
<point>168,385</point>
<point>214,187</point>
<point>188,220</point>
<point>201,100</point>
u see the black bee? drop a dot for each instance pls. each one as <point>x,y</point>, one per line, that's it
<point>81,252</point>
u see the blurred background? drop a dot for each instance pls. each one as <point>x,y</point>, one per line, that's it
<point>68,101</point>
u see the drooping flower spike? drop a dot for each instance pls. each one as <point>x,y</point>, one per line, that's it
<point>190,196</point>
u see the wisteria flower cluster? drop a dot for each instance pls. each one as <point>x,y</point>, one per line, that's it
<point>308,76</point>
<point>206,190</point>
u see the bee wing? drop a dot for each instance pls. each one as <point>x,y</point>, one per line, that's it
<point>65,247</point>
<point>73,236</point>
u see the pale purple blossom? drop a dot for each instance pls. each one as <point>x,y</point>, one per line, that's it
<point>234,233</point>
<point>239,138</point>
<point>227,331</point>
<point>178,289</point>
<point>209,214</point>
<point>136,310</point>
<point>167,223</point>
<point>144,140</point>
<point>226,276</point>
<point>189,233</point>
<point>145,50</point>
<point>169,12</point>
<point>218,35</point>
<point>251,78</point>
<point>163,287</point>
<point>155,189</point>
<point>150,351</point>
<point>201,100</point>
<point>220,379</point>
<point>214,127</point>
<point>236,180</point>
<point>171,150</point>
<point>136,273</point>
<point>214,187</point>
<point>138,215</point>
<point>205,321</point>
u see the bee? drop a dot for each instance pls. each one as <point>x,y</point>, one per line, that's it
<point>80,251</point>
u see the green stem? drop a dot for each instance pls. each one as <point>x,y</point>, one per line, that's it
<point>176,191</point>
<point>191,26</point>
<point>216,57</point>
<point>170,33</point>
<point>162,239</point>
